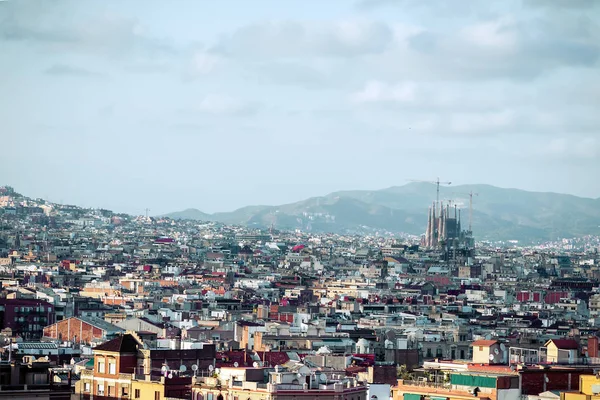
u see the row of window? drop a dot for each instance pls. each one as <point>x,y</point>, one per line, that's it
<point>111,391</point>
<point>33,309</point>
<point>35,319</point>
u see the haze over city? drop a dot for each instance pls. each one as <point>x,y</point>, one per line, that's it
<point>222,104</point>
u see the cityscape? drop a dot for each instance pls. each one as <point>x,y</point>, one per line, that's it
<point>101,305</point>
<point>300,200</point>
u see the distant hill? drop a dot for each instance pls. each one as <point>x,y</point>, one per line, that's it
<point>191,213</point>
<point>499,214</point>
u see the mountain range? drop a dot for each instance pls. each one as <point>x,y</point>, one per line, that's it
<point>498,213</point>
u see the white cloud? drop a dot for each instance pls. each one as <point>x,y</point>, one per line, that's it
<point>497,35</point>
<point>299,39</point>
<point>205,63</point>
<point>379,92</point>
<point>226,105</point>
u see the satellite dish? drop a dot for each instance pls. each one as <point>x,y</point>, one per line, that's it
<point>235,364</point>
<point>496,351</point>
<point>171,375</point>
<point>323,378</point>
<point>255,364</point>
<point>182,368</point>
<point>299,375</point>
<point>502,347</point>
<point>195,367</point>
<point>491,357</point>
<point>211,368</point>
<point>164,368</point>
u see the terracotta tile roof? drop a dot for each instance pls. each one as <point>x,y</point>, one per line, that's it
<point>493,369</point>
<point>484,343</point>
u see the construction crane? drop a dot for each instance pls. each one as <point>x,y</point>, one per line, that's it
<point>470,194</point>
<point>437,183</point>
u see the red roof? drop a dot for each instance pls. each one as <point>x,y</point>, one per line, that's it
<point>122,344</point>
<point>567,344</point>
<point>484,343</point>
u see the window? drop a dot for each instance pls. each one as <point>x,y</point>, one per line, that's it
<point>101,389</point>
<point>86,387</point>
<point>137,393</point>
<point>157,395</point>
<point>111,391</point>
<point>480,348</point>
<point>112,367</point>
<point>125,391</point>
<point>101,367</point>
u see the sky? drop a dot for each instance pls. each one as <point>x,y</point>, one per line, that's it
<point>215,105</point>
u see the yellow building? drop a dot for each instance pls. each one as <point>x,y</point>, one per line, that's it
<point>561,351</point>
<point>486,352</point>
<point>157,389</point>
<point>589,389</point>
<point>117,373</point>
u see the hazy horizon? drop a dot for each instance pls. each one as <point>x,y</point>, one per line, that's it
<point>141,210</point>
<point>220,105</point>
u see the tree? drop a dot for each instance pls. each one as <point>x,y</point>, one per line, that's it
<point>403,373</point>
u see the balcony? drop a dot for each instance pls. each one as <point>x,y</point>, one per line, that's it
<point>425,384</point>
<point>443,389</point>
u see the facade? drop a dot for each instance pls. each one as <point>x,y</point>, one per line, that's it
<point>124,369</point>
<point>114,366</point>
<point>486,352</point>
<point>296,383</point>
<point>562,351</point>
<point>161,388</point>
<point>589,387</point>
<point>462,386</point>
<point>26,317</point>
<point>82,330</point>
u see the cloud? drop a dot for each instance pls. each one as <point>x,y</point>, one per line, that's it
<point>488,40</point>
<point>298,39</point>
<point>498,35</point>
<point>379,92</point>
<point>66,70</point>
<point>561,4</point>
<point>225,105</point>
<point>205,63</point>
<point>439,7</point>
<point>479,108</point>
<point>57,26</point>
<point>301,74</point>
